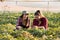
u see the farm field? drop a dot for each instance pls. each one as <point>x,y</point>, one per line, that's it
<point>8,24</point>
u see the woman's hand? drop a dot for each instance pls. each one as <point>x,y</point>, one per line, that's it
<point>35,27</point>
<point>18,27</point>
<point>41,27</point>
<point>27,25</point>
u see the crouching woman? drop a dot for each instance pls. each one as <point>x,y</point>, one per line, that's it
<point>23,21</point>
<point>40,21</point>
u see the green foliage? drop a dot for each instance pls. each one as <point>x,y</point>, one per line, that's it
<point>8,24</point>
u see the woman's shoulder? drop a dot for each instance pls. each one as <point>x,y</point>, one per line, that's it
<point>43,18</point>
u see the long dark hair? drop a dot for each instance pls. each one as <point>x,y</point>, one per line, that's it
<point>21,16</point>
<point>26,18</point>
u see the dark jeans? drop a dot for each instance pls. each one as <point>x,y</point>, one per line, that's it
<point>23,26</point>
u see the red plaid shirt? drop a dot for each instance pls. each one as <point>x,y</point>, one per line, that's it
<point>43,22</point>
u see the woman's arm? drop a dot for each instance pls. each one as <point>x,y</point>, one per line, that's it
<point>28,23</point>
<point>34,23</point>
<point>44,23</point>
<point>18,23</point>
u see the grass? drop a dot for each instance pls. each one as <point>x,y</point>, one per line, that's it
<point>8,24</point>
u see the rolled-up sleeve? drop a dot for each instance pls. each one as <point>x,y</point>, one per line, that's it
<point>44,22</point>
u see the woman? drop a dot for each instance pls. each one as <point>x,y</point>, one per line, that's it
<point>23,21</point>
<point>40,21</point>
